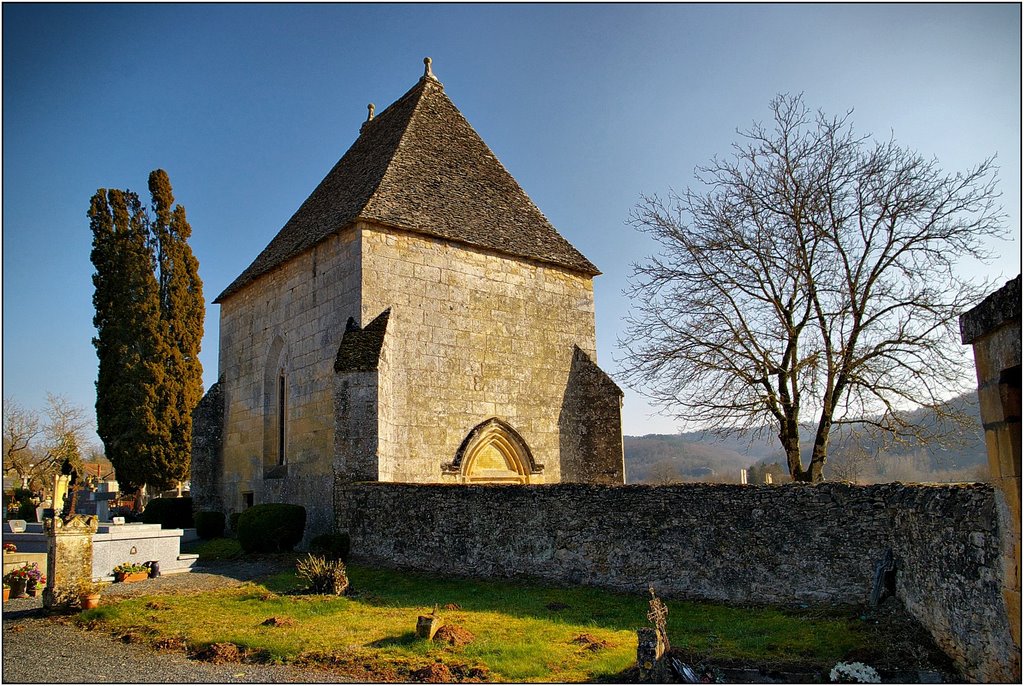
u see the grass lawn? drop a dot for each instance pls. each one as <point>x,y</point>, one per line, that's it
<point>521,631</point>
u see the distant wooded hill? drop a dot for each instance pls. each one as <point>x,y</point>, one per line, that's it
<point>866,458</point>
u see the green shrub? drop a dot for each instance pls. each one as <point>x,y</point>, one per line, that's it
<point>26,510</point>
<point>169,513</point>
<point>233,521</point>
<point>331,546</point>
<point>271,527</point>
<point>209,524</point>
<point>325,576</point>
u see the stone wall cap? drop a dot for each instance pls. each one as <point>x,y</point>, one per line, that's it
<point>1001,307</point>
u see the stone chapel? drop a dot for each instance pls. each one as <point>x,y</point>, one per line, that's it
<point>418,319</point>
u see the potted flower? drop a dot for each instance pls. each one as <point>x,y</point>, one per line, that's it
<point>127,572</point>
<point>10,548</point>
<point>35,577</point>
<point>17,579</point>
<point>89,593</point>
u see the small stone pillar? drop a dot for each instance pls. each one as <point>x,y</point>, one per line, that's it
<point>427,625</point>
<point>650,648</point>
<point>68,557</point>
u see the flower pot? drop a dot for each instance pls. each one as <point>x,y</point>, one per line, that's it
<point>121,577</point>
<point>89,601</point>
<point>31,588</point>
<point>7,593</point>
<point>18,587</point>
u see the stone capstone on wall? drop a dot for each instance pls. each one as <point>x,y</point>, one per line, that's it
<point>997,309</point>
<point>743,544</point>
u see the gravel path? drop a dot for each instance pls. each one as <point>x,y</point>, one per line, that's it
<point>48,649</point>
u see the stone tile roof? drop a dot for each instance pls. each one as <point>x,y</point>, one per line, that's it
<point>420,166</point>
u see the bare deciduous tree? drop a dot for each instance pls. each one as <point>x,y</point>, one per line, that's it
<point>35,448</point>
<point>21,428</point>
<point>815,277</point>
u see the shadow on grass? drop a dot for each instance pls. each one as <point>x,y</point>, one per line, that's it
<point>403,641</point>
<point>520,598</point>
<point>811,634</point>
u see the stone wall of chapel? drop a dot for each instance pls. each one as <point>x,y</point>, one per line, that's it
<point>472,335</point>
<point>303,305</point>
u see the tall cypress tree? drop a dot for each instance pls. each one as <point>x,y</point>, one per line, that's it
<point>149,323</point>
<point>128,336</point>
<point>182,311</point>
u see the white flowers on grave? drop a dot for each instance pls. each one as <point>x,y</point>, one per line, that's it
<point>853,673</point>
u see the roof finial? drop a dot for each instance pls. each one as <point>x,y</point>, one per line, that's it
<point>427,73</point>
<point>369,108</point>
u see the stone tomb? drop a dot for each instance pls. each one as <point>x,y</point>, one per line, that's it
<point>113,545</point>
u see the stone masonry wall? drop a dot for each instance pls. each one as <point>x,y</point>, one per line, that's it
<point>744,544</point>
<point>294,316</point>
<point>207,469</point>
<point>993,329</point>
<point>472,335</point>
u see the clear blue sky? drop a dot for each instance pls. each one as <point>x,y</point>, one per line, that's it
<point>248,106</point>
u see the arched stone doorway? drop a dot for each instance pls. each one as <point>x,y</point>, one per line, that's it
<point>493,452</point>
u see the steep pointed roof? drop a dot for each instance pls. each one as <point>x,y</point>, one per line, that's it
<point>420,166</point>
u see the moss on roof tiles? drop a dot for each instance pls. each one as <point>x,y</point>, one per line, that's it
<point>420,166</point>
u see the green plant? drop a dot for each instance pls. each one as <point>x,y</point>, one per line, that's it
<point>169,513</point>
<point>89,587</point>
<point>209,524</point>
<point>233,521</point>
<point>271,527</point>
<point>130,568</point>
<point>331,546</point>
<point>327,577</point>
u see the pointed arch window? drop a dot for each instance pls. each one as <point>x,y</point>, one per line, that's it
<point>494,452</point>
<point>275,411</point>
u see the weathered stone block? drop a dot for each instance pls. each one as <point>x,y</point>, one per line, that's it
<point>68,557</point>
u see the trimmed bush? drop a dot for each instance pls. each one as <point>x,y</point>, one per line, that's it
<point>233,521</point>
<point>331,546</point>
<point>209,524</point>
<point>169,513</point>
<point>271,527</point>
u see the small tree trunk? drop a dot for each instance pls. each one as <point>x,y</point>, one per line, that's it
<point>790,437</point>
<point>819,452</point>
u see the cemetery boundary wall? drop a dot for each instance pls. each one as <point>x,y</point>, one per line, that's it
<point>785,544</point>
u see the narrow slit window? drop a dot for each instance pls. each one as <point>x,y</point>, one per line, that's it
<point>281,418</point>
